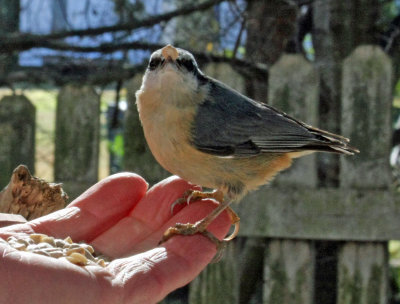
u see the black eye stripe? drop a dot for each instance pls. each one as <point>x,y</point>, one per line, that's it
<point>154,62</point>
<point>187,63</point>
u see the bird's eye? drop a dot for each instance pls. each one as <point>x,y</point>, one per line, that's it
<point>187,63</point>
<point>155,62</point>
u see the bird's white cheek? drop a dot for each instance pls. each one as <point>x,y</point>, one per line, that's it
<point>150,82</point>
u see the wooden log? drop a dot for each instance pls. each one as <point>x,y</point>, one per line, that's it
<point>289,272</point>
<point>17,135</point>
<point>293,88</point>
<point>363,273</point>
<point>137,154</point>
<point>77,138</point>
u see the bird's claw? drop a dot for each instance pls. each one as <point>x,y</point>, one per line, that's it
<point>194,195</point>
<point>187,197</point>
<point>200,227</point>
<point>197,228</point>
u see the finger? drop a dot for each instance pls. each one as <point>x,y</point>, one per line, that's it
<point>148,216</point>
<point>155,208</point>
<point>150,276</point>
<point>191,214</point>
<point>95,211</point>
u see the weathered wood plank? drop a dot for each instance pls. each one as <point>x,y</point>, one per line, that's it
<point>77,138</point>
<point>17,135</point>
<point>293,87</point>
<point>218,283</point>
<point>363,273</point>
<point>330,214</point>
<point>366,117</point>
<point>289,272</point>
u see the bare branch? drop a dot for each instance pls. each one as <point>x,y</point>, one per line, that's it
<point>19,42</point>
<point>103,73</point>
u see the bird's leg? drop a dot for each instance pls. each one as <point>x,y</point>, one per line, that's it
<point>195,195</point>
<point>201,226</point>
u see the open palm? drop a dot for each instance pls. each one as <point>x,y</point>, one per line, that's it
<point>124,221</point>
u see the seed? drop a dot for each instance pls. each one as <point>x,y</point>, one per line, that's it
<point>74,245</point>
<point>48,240</point>
<point>18,246</point>
<point>101,262</point>
<point>43,246</point>
<point>79,250</point>
<point>56,253</point>
<point>89,255</point>
<point>88,248</point>
<point>68,240</point>
<point>41,251</point>
<point>11,238</point>
<point>60,243</point>
<point>37,237</point>
<point>77,258</point>
<point>23,241</point>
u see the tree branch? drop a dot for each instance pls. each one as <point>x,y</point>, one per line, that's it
<point>19,42</point>
<point>103,73</point>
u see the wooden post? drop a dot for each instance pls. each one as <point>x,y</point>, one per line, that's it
<point>137,154</point>
<point>366,98</point>
<point>17,135</point>
<point>218,283</point>
<point>289,272</point>
<point>293,88</point>
<point>77,138</point>
<point>363,273</point>
<point>289,264</point>
<point>366,118</point>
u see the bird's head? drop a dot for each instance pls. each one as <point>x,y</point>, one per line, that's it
<point>172,67</point>
<point>174,59</point>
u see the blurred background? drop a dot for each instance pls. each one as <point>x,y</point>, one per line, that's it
<point>69,70</point>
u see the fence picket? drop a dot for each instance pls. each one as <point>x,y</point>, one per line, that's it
<point>366,118</point>
<point>17,135</point>
<point>77,138</point>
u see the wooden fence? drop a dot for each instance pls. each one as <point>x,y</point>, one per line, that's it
<point>275,259</point>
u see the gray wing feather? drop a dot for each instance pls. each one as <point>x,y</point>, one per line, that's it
<point>231,124</point>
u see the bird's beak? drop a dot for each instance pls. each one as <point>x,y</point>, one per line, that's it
<point>169,53</point>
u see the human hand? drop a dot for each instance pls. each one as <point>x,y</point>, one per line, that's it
<point>125,222</point>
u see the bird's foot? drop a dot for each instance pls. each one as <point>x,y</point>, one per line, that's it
<point>196,228</point>
<point>191,196</point>
<point>200,227</point>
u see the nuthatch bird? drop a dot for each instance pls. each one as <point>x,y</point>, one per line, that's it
<point>210,135</point>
